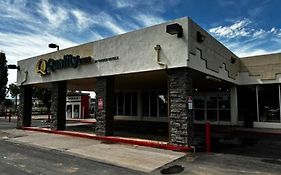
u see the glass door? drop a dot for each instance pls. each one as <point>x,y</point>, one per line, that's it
<point>73,110</point>
<point>68,111</point>
<point>76,111</point>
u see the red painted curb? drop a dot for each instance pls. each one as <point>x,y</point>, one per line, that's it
<point>140,142</point>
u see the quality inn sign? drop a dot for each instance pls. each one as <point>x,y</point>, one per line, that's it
<point>45,67</point>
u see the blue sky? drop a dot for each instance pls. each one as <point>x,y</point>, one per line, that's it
<point>246,27</point>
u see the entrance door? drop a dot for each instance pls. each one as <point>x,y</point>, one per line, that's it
<point>73,110</point>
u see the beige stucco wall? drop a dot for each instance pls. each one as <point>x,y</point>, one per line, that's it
<point>260,69</point>
<point>137,54</point>
<point>210,56</point>
<point>135,51</point>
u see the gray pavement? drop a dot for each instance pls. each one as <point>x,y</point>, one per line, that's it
<point>20,159</point>
<point>260,155</point>
<point>224,164</point>
<point>128,156</point>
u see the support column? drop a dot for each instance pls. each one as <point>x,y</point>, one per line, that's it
<point>25,106</point>
<point>180,117</point>
<point>58,118</point>
<point>105,96</point>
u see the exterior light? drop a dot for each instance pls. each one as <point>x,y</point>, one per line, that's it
<point>52,45</point>
<point>174,29</point>
<point>13,66</point>
<point>213,78</point>
<point>233,60</point>
<point>200,37</point>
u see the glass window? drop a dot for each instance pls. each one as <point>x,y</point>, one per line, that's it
<point>145,103</point>
<point>212,114</point>
<point>224,102</point>
<point>163,104</point>
<point>116,103</point>
<point>224,108</point>
<point>128,104</point>
<point>199,114</point>
<point>247,103</point>
<point>153,103</point>
<point>120,103</point>
<point>269,109</point>
<point>134,104</point>
<point>212,102</point>
<point>224,115</point>
<point>198,102</point>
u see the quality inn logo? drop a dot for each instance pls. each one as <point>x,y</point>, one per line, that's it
<point>45,67</point>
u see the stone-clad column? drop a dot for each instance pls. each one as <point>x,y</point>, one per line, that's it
<point>25,106</point>
<point>180,117</point>
<point>58,118</point>
<point>105,94</point>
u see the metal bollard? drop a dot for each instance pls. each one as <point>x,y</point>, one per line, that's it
<point>208,137</point>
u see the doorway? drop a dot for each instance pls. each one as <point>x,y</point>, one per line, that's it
<point>73,110</point>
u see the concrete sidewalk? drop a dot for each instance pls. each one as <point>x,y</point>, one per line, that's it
<point>134,157</point>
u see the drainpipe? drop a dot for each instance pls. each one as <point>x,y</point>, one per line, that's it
<point>158,48</point>
<point>26,73</point>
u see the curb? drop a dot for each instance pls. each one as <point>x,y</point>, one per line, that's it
<point>259,133</point>
<point>82,121</point>
<point>132,141</point>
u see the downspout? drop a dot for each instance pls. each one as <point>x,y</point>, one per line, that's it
<point>158,48</point>
<point>26,73</point>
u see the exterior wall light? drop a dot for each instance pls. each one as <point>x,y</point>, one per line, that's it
<point>200,37</point>
<point>213,78</point>
<point>52,45</point>
<point>233,60</point>
<point>13,66</point>
<point>175,29</point>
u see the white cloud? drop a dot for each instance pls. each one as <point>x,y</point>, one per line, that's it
<point>125,3</point>
<point>148,20</point>
<point>83,19</point>
<point>18,47</point>
<point>104,20</point>
<point>235,30</point>
<point>245,39</point>
<point>242,28</point>
<point>259,33</point>
<point>55,15</point>
<point>14,10</point>
<point>96,36</point>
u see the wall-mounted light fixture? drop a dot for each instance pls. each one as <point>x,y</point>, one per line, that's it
<point>233,60</point>
<point>52,45</point>
<point>200,37</point>
<point>213,78</point>
<point>175,29</point>
<point>13,66</point>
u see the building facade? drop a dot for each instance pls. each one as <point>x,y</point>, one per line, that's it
<point>174,72</point>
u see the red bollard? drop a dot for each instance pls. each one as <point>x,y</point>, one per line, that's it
<point>208,137</point>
